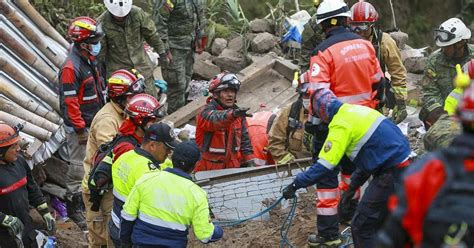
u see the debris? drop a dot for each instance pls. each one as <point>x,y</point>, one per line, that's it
<point>205,69</point>
<point>197,88</point>
<point>218,46</point>
<point>260,26</point>
<point>400,38</point>
<point>263,43</point>
<point>236,44</point>
<point>230,60</point>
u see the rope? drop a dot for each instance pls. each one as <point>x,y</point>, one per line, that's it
<point>393,14</point>
<point>285,227</point>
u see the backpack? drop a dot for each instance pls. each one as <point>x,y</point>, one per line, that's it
<point>384,88</point>
<point>293,120</point>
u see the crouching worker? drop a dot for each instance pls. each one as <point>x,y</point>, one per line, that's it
<point>18,190</point>
<point>163,205</point>
<point>373,143</point>
<point>221,129</point>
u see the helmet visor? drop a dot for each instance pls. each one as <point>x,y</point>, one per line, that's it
<point>359,26</point>
<point>443,35</point>
<point>231,81</point>
<point>137,87</point>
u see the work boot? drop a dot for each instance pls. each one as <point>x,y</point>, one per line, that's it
<point>323,242</point>
<point>75,211</point>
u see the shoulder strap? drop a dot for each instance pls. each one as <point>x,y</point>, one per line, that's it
<point>293,120</point>
<point>377,43</point>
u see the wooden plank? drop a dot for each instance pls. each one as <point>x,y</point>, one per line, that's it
<point>285,68</point>
<point>189,111</point>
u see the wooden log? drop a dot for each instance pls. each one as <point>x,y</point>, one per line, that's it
<point>16,110</point>
<point>28,128</point>
<point>22,24</point>
<point>22,99</point>
<point>37,18</point>
<point>27,55</point>
<point>37,89</point>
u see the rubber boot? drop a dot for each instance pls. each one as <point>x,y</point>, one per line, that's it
<point>75,211</point>
<point>324,242</point>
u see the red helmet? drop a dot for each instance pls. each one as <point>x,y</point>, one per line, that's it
<point>84,29</point>
<point>142,108</point>
<point>224,80</point>
<point>125,83</point>
<point>9,135</point>
<point>468,68</point>
<point>363,12</point>
<point>465,109</point>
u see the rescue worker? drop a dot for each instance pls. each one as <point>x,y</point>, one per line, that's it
<point>443,131</point>
<point>452,37</point>
<point>287,136</point>
<point>440,216</point>
<point>258,127</point>
<point>157,144</point>
<point>347,64</point>
<point>18,190</point>
<point>374,144</point>
<point>221,127</point>
<point>181,26</point>
<point>121,86</point>
<point>363,22</point>
<point>81,93</point>
<point>162,206</point>
<point>126,28</point>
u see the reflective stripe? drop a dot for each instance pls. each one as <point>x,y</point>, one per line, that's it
<point>162,223</point>
<point>357,195</point>
<point>127,216</point>
<point>346,179</point>
<point>326,164</point>
<point>366,137</point>
<point>327,193</point>
<point>87,98</point>
<point>326,211</point>
<point>259,161</point>
<point>119,196</point>
<point>356,98</point>
<point>455,95</point>
<point>219,150</point>
<point>70,93</point>
<point>116,219</point>
<point>315,86</point>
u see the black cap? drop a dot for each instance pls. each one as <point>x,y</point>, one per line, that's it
<point>186,155</point>
<point>161,132</point>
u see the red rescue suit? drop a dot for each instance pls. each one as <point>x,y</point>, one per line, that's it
<point>223,139</point>
<point>259,125</point>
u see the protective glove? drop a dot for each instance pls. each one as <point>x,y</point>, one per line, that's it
<point>241,112</point>
<point>49,220</point>
<point>162,85</point>
<point>248,163</point>
<point>308,141</point>
<point>289,191</point>
<point>399,113</point>
<point>13,224</point>
<point>345,202</point>
<point>286,159</point>
<point>82,137</point>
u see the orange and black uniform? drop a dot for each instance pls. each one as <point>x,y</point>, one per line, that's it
<point>82,89</point>
<point>258,127</point>
<point>346,64</point>
<point>423,210</point>
<point>18,190</point>
<point>223,139</point>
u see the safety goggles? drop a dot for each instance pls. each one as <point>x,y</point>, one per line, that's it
<point>17,130</point>
<point>159,112</point>
<point>137,86</point>
<point>231,81</point>
<point>443,35</point>
<point>360,26</point>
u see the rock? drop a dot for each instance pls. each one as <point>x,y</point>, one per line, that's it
<point>415,64</point>
<point>218,46</point>
<point>262,43</point>
<point>230,60</point>
<point>236,44</point>
<point>414,94</point>
<point>400,38</point>
<point>203,56</point>
<point>205,69</point>
<point>260,26</point>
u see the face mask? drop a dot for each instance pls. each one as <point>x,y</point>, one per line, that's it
<point>95,49</point>
<point>306,103</point>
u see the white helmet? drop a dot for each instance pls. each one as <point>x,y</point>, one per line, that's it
<point>332,8</point>
<point>451,32</point>
<point>119,8</point>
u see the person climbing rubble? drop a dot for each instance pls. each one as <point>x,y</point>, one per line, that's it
<point>82,95</point>
<point>18,190</point>
<point>258,127</point>
<point>442,215</point>
<point>452,37</point>
<point>347,64</point>
<point>157,144</point>
<point>221,127</point>
<point>162,206</point>
<point>363,22</point>
<point>287,138</point>
<point>374,144</point>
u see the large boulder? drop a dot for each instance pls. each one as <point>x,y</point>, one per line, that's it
<point>400,38</point>
<point>236,44</point>
<point>262,43</point>
<point>218,46</point>
<point>230,60</point>
<point>203,66</point>
<point>260,26</point>
<point>415,64</point>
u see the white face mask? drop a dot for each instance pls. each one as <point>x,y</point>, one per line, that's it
<point>306,103</point>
